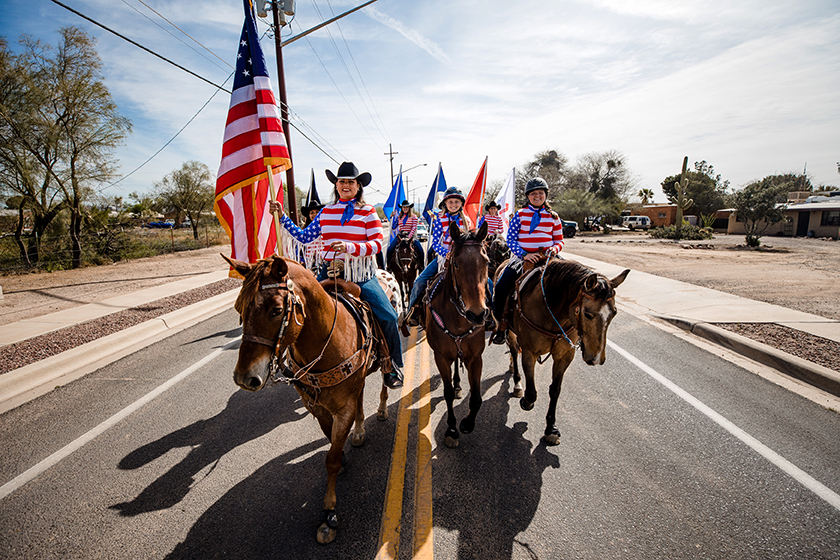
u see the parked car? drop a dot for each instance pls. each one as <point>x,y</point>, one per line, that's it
<point>637,222</point>
<point>186,223</point>
<point>166,224</point>
<point>422,232</point>
<point>570,228</point>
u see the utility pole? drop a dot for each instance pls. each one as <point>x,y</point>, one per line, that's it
<point>284,109</point>
<point>391,153</point>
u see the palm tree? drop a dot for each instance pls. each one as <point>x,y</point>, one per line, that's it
<point>645,194</point>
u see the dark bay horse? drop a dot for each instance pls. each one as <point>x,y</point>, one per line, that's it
<point>455,312</point>
<point>282,307</point>
<point>403,265</point>
<point>497,251</point>
<point>557,308</point>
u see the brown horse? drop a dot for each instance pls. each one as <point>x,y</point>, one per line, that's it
<point>558,307</point>
<point>497,251</point>
<point>403,265</point>
<point>455,302</point>
<point>283,307</point>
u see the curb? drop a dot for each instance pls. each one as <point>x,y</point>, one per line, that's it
<point>31,381</point>
<point>814,374</point>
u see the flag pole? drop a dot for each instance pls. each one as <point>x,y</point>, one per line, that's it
<point>274,214</point>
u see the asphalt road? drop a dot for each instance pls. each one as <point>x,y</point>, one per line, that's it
<point>667,452</point>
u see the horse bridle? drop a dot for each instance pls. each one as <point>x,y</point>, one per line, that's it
<point>290,302</point>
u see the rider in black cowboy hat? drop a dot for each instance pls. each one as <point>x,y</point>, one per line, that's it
<point>405,222</point>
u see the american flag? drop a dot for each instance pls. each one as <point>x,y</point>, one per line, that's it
<point>253,140</point>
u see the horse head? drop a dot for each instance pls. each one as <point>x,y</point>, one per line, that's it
<point>497,251</point>
<point>468,269</point>
<point>271,314</point>
<point>593,311</point>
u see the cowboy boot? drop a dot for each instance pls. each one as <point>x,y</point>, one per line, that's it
<point>500,333</point>
<point>394,378</point>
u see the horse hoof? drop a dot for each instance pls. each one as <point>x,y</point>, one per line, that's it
<point>451,442</point>
<point>518,391</point>
<point>467,426</point>
<point>381,415</point>
<point>325,534</point>
<point>552,439</point>
<point>525,404</point>
<point>457,392</point>
<point>357,440</point>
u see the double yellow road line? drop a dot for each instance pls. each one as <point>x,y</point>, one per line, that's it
<point>389,534</point>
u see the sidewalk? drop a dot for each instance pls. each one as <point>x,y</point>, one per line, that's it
<point>687,306</point>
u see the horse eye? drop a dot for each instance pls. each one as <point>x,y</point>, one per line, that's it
<point>455,264</point>
<point>276,312</point>
<point>589,316</point>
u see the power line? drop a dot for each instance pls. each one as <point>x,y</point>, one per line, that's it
<point>136,44</point>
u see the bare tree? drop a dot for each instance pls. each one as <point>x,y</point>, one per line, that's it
<point>188,191</point>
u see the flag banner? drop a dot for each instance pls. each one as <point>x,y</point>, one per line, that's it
<point>438,186</point>
<point>395,198</point>
<point>506,199</point>
<point>475,200</point>
<point>253,140</point>
<point>312,198</point>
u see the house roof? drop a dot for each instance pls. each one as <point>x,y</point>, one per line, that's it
<point>812,206</point>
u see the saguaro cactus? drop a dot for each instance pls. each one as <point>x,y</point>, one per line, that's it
<point>683,202</point>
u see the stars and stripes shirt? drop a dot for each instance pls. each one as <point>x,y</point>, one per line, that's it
<point>495,224</point>
<point>406,224</point>
<point>440,232</point>
<point>362,233</point>
<point>548,235</point>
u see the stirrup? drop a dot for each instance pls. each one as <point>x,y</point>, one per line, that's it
<point>498,336</point>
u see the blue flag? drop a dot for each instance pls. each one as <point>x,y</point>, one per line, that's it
<point>395,198</point>
<point>439,185</point>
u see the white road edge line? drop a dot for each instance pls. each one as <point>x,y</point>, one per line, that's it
<point>79,442</point>
<point>786,466</point>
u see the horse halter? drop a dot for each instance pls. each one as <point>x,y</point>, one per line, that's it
<point>291,301</point>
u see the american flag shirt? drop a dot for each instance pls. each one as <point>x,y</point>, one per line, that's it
<point>440,232</point>
<point>495,224</point>
<point>548,235</point>
<point>362,233</point>
<point>406,224</point>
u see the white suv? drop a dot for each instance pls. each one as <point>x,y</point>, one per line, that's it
<point>634,222</point>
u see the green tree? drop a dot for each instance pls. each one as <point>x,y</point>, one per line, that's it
<point>188,191</point>
<point>69,109</point>
<point>577,205</point>
<point>760,205</point>
<point>707,190</point>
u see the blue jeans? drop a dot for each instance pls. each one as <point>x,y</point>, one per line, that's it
<point>422,281</point>
<point>383,311</point>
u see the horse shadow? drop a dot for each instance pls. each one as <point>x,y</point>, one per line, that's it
<point>210,440</point>
<point>274,511</point>
<point>489,488</point>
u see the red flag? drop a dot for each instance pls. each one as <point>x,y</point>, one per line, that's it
<point>472,206</point>
<point>253,140</point>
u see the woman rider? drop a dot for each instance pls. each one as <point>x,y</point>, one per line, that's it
<point>351,231</point>
<point>452,210</point>
<point>405,222</point>
<point>533,231</point>
<point>493,219</point>
<point>314,249</point>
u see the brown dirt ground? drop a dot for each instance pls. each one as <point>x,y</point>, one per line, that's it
<point>797,273</point>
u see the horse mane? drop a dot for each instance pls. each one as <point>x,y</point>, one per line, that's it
<point>251,285</point>
<point>564,279</point>
<point>472,235</point>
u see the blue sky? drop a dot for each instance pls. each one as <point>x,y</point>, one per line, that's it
<point>752,87</point>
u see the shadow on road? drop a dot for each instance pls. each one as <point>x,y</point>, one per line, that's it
<point>246,417</point>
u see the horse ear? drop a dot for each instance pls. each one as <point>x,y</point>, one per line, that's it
<point>279,268</point>
<point>241,268</point>
<point>454,231</point>
<point>619,279</point>
<point>482,232</point>
<point>590,283</point>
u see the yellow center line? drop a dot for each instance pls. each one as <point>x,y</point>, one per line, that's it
<point>389,533</point>
<point>423,528</point>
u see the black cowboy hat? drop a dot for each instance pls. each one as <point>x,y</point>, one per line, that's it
<point>490,205</point>
<point>349,171</point>
<point>307,208</point>
<point>406,203</point>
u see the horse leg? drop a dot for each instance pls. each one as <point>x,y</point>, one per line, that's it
<point>559,367</point>
<point>342,422</point>
<point>358,438</point>
<point>529,362</point>
<point>445,368</point>
<point>513,346</point>
<point>474,368</point>
<point>456,378</point>
<point>382,412</point>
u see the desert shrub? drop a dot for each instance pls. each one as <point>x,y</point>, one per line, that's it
<point>688,231</point>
